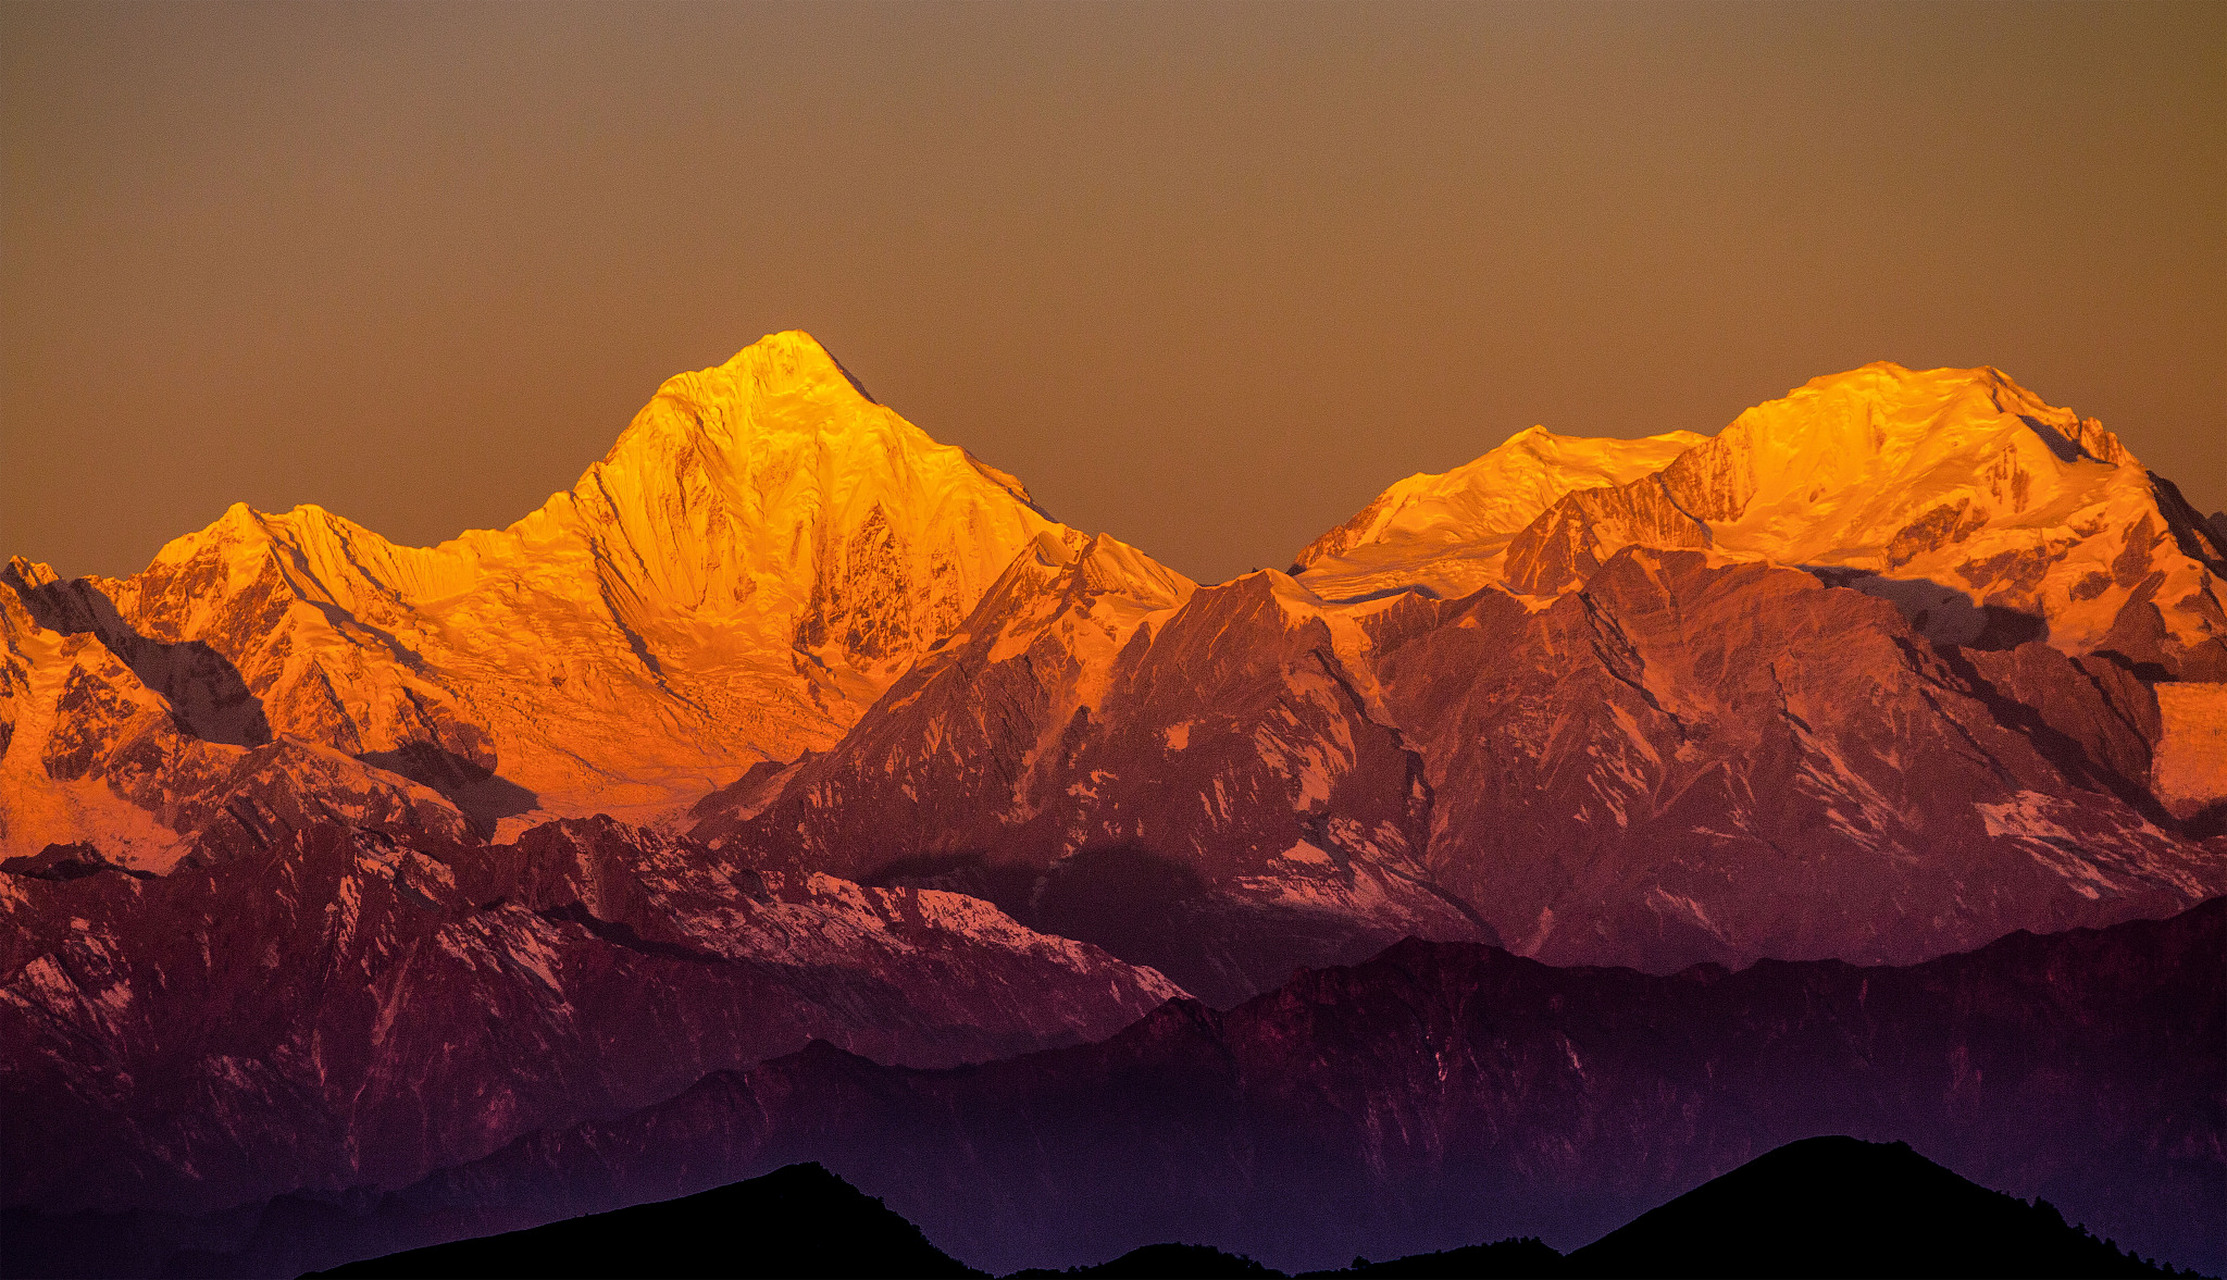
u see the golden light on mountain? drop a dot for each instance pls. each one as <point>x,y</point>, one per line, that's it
<point>1758,781</point>
<point>1210,278</point>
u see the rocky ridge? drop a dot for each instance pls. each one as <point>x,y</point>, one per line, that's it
<point>1646,702</point>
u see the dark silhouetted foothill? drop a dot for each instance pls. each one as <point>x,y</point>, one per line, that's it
<point>1517,1259</point>
<point>799,1221</point>
<point>1842,1207</point>
<point>1164,1262</point>
<point>1817,1208</point>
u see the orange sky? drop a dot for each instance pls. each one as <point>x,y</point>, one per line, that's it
<point>1207,277</point>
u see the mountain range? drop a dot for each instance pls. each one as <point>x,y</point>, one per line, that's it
<point>1435,1096</point>
<point>333,863</point>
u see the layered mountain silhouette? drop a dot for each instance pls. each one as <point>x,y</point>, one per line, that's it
<point>328,865</point>
<point>1439,1095</point>
<point>335,1007</point>
<point>794,1222</point>
<point>1834,1206</point>
<point>1827,1206</point>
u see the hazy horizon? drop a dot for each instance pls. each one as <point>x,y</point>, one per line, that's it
<point>1206,278</point>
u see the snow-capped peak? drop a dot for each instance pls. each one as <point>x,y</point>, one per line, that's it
<point>1989,504</point>
<point>1446,532</point>
<point>1986,512</point>
<point>762,552</point>
<point>772,473</point>
<point>783,393</point>
<point>1887,437</point>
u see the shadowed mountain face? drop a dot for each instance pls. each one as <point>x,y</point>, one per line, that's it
<point>203,690</point>
<point>1436,1096</point>
<point>1835,1206</point>
<point>1682,761</point>
<point>1686,763</point>
<point>306,1005</point>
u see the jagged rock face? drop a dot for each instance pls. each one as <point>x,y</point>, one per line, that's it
<point>1444,1094</point>
<point>760,555</point>
<point>2188,770</point>
<point>1683,763</point>
<point>94,753</point>
<point>1678,762</point>
<point>1190,778</point>
<point>336,1007</point>
<point>1563,548</point>
<point>1237,752</point>
<point>941,763</point>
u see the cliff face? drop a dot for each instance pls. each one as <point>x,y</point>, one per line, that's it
<point>1683,763</point>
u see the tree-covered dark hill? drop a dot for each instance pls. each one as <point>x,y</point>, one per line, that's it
<point>799,1221</point>
<point>1821,1207</point>
<point>1827,1207</point>
<point>1835,1206</point>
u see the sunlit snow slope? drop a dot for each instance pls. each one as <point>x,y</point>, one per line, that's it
<point>1984,513</point>
<point>1448,533</point>
<point>1879,671</point>
<point>762,553</point>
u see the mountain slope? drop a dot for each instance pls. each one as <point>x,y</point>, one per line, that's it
<point>1447,533</point>
<point>763,551</point>
<point>1826,1206</point>
<point>1681,763</point>
<point>1186,776</point>
<point>1961,496</point>
<point>1640,741</point>
<point>943,760</point>
<point>1986,514</point>
<point>1836,1206</point>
